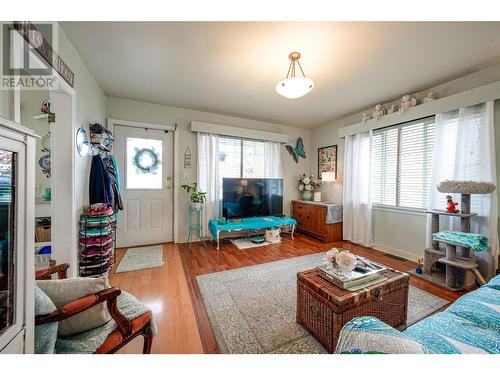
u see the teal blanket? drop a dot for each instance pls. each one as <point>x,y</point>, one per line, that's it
<point>476,242</point>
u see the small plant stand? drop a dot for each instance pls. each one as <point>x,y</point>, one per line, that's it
<point>458,260</point>
<point>195,223</point>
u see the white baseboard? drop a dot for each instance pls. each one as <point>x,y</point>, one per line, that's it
<point>398,252</point>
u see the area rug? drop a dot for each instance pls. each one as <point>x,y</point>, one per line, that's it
<point>246,243</point>
<point>252,309</point>
<point>139,258</point>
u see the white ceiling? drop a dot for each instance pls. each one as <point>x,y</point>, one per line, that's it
<point>232,67</point>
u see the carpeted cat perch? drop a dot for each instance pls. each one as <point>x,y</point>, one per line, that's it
<point>460,246</point>
<point>466,187</point>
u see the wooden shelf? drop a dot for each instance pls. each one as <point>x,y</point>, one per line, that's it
<point>442,212</point>
<point>462,263</point>
<point>434,251</point>
<point>43,116</point>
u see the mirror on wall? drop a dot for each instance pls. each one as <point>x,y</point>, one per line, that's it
<point>82,142</point>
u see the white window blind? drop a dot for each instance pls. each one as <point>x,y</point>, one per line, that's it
<point>253,159</point>
<point>240,158</point>
<point>401,164</point>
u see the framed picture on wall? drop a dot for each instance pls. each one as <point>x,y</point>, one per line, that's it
<point>327,160</point>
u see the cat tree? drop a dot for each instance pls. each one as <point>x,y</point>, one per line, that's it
<point>461,268</point>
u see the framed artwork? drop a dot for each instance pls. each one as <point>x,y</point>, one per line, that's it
<point>327,160</point>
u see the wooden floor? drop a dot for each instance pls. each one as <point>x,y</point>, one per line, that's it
<point>165,291</point>
<point>172,292</point>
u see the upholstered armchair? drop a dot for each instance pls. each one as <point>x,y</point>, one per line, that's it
<point>129,319</point>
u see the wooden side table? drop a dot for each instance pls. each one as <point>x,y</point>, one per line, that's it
<point>323,308</point>
<point>311,220</point>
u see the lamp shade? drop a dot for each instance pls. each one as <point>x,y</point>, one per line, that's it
<point>328,176</point>
<point>294,87</point>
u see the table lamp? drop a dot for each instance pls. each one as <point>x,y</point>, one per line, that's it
<point>328,177</point>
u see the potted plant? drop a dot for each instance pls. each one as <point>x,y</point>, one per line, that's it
<point>197,197</point>
<point>307,185</point>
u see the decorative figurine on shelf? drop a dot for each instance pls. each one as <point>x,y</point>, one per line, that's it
<point>393,108</point>
<point>429,98</point>
<point>45,108</point>
<point>378,112</point>
<point>365,117</point>
<point>406,102</point>
<point>420,263</point>
<point>452,206</point>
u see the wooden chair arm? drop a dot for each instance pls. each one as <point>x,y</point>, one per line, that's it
<point>46,273</point>
<point>84,303</point>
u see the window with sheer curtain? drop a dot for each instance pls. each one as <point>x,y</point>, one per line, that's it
<point>401,162</point>
<point>240,158</point>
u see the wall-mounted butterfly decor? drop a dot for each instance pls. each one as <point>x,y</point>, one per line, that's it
<point>297,150</point>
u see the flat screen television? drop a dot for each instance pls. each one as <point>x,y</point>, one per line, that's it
<point>251,197</point>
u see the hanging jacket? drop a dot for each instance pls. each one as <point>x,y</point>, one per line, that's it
<point>99,182</point>
<point>112,169</point>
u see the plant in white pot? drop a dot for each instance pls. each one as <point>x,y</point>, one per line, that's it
<point>197,197</point>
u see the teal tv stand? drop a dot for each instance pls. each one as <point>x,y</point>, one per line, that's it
<point>250,223</point>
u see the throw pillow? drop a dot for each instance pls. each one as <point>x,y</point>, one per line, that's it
<point>65,291</point>
<point>45,334</point>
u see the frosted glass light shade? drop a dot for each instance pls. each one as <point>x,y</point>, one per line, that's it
<point>294,87</point>
<point>328,176</point>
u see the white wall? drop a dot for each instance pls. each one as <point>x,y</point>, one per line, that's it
<point>402,233</point>
<point>125,109</point>
<point>90,107</point>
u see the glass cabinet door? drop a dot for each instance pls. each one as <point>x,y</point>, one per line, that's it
<point>7,238</point>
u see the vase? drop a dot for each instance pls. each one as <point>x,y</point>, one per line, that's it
<point>342,271</point>
<point>307,195</point>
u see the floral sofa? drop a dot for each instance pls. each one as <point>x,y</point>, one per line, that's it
<point>470,325</point>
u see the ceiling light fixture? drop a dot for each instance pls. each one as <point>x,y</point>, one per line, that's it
<point>293,87</point>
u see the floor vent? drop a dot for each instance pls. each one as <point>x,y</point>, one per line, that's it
<point>395,257</point>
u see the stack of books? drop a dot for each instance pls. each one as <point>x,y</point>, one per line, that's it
<point>365,274</point>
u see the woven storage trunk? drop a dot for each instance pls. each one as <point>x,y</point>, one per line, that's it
<point>323,308</point>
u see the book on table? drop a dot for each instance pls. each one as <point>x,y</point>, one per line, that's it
<point>365,274</point>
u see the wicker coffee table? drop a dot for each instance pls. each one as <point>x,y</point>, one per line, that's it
<point>323,308</point>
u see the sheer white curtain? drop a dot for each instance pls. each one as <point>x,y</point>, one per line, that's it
<point>208,176</point>
<point>272,160</point>
<point>357,189</point>
<point>464,149</point>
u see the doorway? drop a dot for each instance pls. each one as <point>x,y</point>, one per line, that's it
<point>145,161</point>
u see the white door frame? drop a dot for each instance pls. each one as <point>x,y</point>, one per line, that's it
<point>62,180</point>
<point>173,128</point>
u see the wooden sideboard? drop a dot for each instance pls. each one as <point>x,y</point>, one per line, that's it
<point>311,220</point>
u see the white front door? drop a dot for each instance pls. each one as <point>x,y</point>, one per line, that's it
<point>145,165</point>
